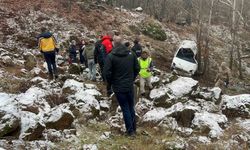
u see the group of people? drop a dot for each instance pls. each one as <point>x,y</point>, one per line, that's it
<point>119,66</point>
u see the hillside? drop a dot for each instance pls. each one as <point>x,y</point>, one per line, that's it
<point>74,113</point>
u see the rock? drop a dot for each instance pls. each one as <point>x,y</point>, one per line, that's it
<point>58,136</point>
<point>168,123</point>
<point>236,106</point>
<point>32,127</point>
<point>179,144</point>
<point>75,69</point>
<point>104,105</point>
<point>160,97</point>
<point>210,123</point>
<point>183,114</point>
<point>83,97</point>
<point>90,147</point>
<point>9,124</point>
<point>143,106</point>
<point>184,132</point>
<point>208,94</point>
<point>105,135</point>
<point>155,81</point>
<point>30,60</point>
<point>30,108</point>
<point>187,85</point>
<point>7,60</point>
<point>59,118</point>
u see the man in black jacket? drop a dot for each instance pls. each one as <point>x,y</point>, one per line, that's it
<point>120,70</point>
<point>137,48</point>
<point>99,55</point>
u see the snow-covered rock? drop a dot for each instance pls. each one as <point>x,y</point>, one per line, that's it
<point>211,121</point>
<point>236,106</point>
<point>182,86</point>
<point>32,126</point>
<point>83,97</point>
<point>9,123</point>
<point>184,114</point>
<point>59,118</point>
<point>143,106</point>
<point>90,147</point>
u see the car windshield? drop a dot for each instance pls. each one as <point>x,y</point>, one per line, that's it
<point>186,54</point>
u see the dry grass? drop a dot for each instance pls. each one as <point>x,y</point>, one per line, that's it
<point>90,134</point>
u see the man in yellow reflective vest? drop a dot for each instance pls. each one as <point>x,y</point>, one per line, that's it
<point>48,46</point>
<point>146,67</point>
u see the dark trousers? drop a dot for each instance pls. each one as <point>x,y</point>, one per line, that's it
<point>50,58</point>
<point>82,59</point>
<point>101,65</point>
<point>72,56</point>
<point>126,102</point>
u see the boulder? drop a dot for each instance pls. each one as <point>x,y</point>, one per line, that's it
<point>160,97</point>
<point>9,123</point>
<point>183,86</point>
<point>143,106</point>
<point>75,69</point>
<point>32,127</point>
<point>59,118</point>
<point>7,60</point>
<point>208,94</point>
<point>30,60</point>
<point>183,113</point>
<point>236,106</point>
<point>210,124</point>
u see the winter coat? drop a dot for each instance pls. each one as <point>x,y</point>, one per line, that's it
<point>106,42</point>
<point>47,42</point>
<point>121,68</point>
<point>72,49</point>
<point>137,49</point>
<point>98,52</point>
<point>89,52</point>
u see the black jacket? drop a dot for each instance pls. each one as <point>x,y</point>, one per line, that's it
<point>137,49</point>
<point>98,52</point>
<point>121,68</point>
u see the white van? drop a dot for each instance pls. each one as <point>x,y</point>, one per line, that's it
<point>185,58</point>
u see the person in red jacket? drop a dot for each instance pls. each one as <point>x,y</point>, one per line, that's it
<point>107,44</point>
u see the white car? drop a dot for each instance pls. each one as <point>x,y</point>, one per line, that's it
<point>185,58</point>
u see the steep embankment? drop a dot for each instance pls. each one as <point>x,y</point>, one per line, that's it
<point>72,112</point>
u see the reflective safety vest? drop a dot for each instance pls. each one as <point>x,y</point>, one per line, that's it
<point>144,65</point>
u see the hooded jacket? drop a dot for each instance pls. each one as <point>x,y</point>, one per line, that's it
<point>47,42</point>
<point>106,42</point>
<point>137,49</point>
<point>121,68</point>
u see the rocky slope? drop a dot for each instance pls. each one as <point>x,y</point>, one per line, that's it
<point>73,113</point>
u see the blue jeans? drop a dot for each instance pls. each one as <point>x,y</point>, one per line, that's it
<point>126,102</point>
<point>50,58</point>
<point>92,69</point>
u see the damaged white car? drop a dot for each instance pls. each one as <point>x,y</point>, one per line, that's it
<point>184,60</point>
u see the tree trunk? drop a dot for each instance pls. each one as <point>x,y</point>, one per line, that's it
<point>233,35</point>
